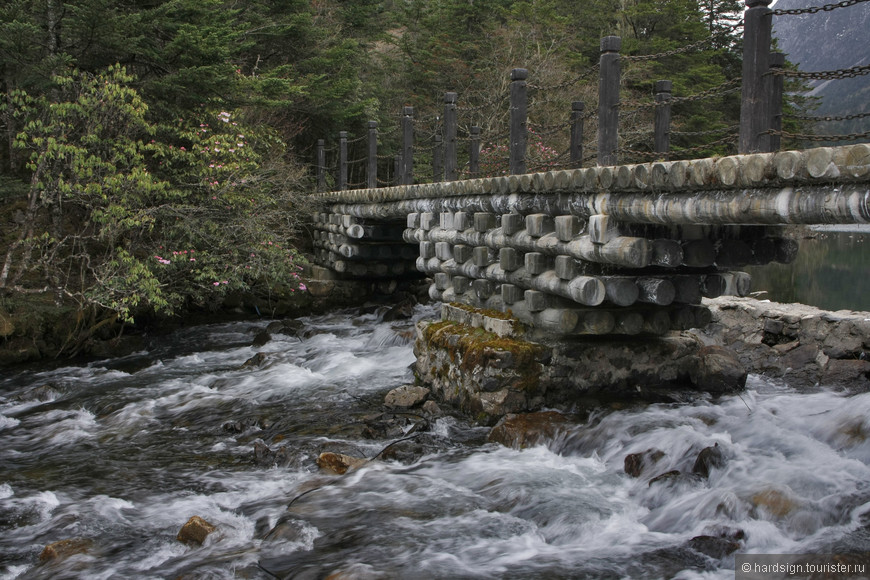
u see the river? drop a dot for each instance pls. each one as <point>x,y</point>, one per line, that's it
<point>120,453</point>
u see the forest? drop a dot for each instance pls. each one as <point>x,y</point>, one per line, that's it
<point>157,155</point>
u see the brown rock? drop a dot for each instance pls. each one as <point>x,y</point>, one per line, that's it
<point>527,429</point>
<point>338,463</point>
<point>406,396</point>
<point>838,372</point>
<point>776,502</point>
<point>65,549</point>
<point>195,531</point>
<point>668,476</point>
<point>718,370</point>
<point>635,463</point>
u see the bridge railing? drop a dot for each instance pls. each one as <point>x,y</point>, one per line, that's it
<point>444,148</point>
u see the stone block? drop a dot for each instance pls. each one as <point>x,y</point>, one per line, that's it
<point>539,224</point>
<point>427,250</point>
<point>483,289</point>
<point>446,220</point>
<point>461,284</point>
<point>427,220</point>
<point>413,220</point>
<point>441,280</point>
<point>509,259</point>
<point>462,253</point>
<point>443,251</point>
<point>567,226</point>
<point>535,301</point>
<point>461,221</point>
<point>566,267</point>
<point>482,256</point>
<point>536,263</point>
<point>511,223</point>
<point>511,293</point>
<point>484,221</point>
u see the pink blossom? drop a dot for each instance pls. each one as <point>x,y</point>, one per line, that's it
<point>303,287</point>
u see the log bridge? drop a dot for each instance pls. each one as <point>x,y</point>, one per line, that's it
<point>611,250</point>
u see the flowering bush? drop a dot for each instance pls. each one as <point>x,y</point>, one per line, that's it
<point>133,217</point>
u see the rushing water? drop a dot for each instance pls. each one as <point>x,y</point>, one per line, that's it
<point>122,452</point>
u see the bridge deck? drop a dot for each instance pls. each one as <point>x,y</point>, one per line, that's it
<point>605,250</point>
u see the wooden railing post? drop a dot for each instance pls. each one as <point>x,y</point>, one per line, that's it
<point>608,100</point>
<point>777,62</point>
<point>754,116</point>
<point>437,160</point>
<point>578,109</point>
<point>372,171</point>
<point>342,160</point>
<point>407,146</point>
<point>450,173</point>
<point>518,121</point>
<point>321,165</point>
<point>662,138</point>
<point>474,152</point>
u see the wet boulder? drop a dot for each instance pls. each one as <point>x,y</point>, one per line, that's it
<point>264,456</point>
<point>195,531</point>
<point>65,548</point>
<point>255,361</point>
<point>338,463</point>
<point>673,476</point>
<point>708,458</point>
<point>718,370</point>
<point>528,429</point>
<point>406,397</point>
<point>714,546</point>
<point>635,463</point>
<point>261,338</point>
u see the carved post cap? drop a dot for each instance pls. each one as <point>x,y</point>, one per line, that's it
<point>373,124</point>
<point>519,74</point>
<point>756,3</point>
<point>664,86</point>
<point>777,59</point>
<point>342,134</point>
<point>475,130</point>
<point>450,98</point>
<point>611,44</point>
<point>321,142</point>
<point>578,106</point>
<point>408,111</point>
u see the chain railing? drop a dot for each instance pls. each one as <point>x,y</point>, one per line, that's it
<point>613,118</point>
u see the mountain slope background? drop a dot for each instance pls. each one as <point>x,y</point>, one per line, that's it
<point>830,40</point>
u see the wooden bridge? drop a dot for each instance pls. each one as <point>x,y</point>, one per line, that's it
<point>625,249</point>
<point>611,249</point>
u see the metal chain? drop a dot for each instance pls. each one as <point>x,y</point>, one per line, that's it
<point>730,129</point>
<point>849,137</point>
<point>822,119</point>
<point>568,83</point>
<point>824,75</point>
<point>815,9</point>
<point>687,48</point>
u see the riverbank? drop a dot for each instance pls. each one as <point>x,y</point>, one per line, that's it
<point>33,327</point>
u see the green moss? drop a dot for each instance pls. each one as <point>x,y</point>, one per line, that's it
<point>484,311</point>
<point>472,348</point>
